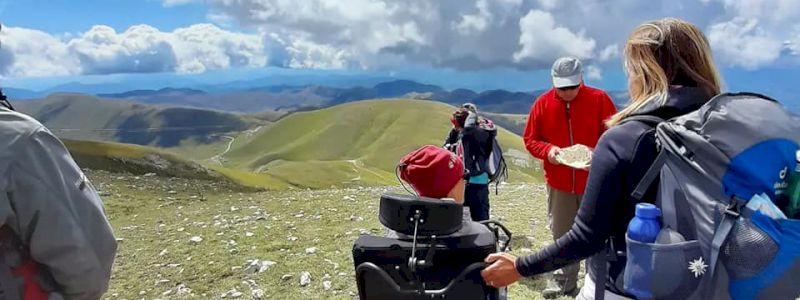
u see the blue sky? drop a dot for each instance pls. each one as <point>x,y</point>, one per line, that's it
<point>59,16</point>
<point>476,44</point>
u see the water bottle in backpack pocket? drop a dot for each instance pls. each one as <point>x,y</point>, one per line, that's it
<point>656,258</point>
<point>737,147</point>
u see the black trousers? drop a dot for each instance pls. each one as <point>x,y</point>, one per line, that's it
<point>476,197</point>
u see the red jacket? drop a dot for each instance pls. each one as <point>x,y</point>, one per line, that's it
<point>554,122</point>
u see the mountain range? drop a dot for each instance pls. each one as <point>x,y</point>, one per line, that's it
<point>246,97</point>
<point>294,98</point>
<point>355,143</point>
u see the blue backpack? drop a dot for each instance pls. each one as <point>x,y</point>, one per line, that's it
<point>711,162</point>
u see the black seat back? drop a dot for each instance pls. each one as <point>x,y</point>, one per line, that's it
<point>438,217</point>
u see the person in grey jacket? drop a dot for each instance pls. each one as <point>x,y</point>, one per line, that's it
<point>56,240</point>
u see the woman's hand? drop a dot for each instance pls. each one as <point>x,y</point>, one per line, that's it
<point>502,271</point>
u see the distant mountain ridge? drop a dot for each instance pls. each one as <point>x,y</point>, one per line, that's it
<point>310,97</point>
<point>84,117</point>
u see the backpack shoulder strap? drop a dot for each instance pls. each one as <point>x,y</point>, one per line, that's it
<point>647,119</point>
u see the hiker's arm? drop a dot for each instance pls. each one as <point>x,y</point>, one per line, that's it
<point>591,228</point>
<point>532,136</point>
<point>468,142</point>
<point>60,217</point>
<point>452,138</point>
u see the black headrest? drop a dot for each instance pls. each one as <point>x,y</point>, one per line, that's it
<point>437,216</point>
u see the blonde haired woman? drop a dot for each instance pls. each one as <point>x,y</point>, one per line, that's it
<point>670,73</point>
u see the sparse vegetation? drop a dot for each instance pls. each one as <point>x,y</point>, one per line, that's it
<point>299,230</point>
<point>193,224</point>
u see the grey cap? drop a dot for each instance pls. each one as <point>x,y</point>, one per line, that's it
<point>566,72</point>
<point>470,106</point>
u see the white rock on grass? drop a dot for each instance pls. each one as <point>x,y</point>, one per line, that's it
<point>248,234</point>
<point>257,266</point>
<point>286,277</point>
<point>311,250</point>
<point>196,240</point>
<point>232,293</point>
<point>257,294</point>
<point>183,290</point>
<point>326,285</point>
<point>305,278</point>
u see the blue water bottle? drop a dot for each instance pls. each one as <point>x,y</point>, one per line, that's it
<point>644,227</point>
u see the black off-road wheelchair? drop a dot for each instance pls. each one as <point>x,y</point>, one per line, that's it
<point>432,252</point>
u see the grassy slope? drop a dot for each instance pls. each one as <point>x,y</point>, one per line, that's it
<point>354,142</point>
<point>152,221</point>
<point>512,122</point>
<point>140,160</point>
<point>83,117</point>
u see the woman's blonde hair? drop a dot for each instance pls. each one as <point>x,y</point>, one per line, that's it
<point>662,53</point>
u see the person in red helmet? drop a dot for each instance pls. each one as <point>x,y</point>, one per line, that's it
<point>434,172</point>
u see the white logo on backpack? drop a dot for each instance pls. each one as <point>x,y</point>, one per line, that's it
<point>698,267</point>
<point>782,184</point>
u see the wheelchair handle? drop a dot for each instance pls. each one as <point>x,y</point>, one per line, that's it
<point>367,267</point>
<point>502,227</point>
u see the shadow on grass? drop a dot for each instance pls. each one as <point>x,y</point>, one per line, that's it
<point>538,283</point>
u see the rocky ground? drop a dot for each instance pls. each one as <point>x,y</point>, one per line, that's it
<point>195,239</point>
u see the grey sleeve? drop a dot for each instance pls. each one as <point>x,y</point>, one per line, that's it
<point>60,217</point>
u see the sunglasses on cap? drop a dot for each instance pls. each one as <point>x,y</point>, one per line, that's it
<point>568,88</point>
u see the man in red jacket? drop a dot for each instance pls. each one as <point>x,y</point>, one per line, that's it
<point>568,114</point>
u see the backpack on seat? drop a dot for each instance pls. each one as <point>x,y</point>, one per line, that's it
<point>711,162</point>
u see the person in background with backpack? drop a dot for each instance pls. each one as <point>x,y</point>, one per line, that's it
<point>670,73</point>
<point>570,113</point>
<point>55,240</point>
<point>476,138</point>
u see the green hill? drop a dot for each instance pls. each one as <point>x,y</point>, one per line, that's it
<point>83,117</point>
<point>141,160</point>
<point>358,143</point>
<point>512,122</point>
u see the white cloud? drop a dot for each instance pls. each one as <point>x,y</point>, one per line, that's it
<point>27,52</point>
<point>772,11</point>
<point>140,49</point>
<point>170,3</point>
<point>609,52</point>
<point>741,42</point>
<point>307,54</point>
<point>370,34</point>
<point>206,47</point>
<point>793,42</point>
<point>542,38</point>
<point>475,23</point>
<point>594,72</point>
<point>460,34</point>
<point>548,4</point>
